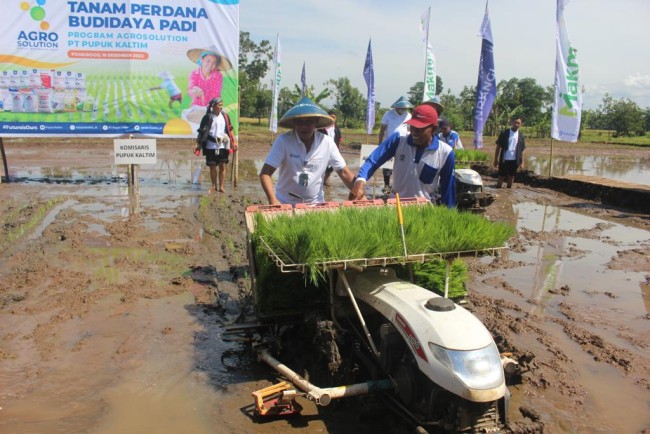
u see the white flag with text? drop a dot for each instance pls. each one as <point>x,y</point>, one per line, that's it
<point>567,107</point>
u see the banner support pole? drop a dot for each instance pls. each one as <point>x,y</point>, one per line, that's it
<point>4,161</point>
<point>550,161</point>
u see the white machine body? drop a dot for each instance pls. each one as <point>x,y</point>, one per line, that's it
<point>469,177</point>
<point>451,346</point>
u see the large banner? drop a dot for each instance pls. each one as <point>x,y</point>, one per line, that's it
<point>100,68</point>
<point>486,86</point>
<point>369,76</point>
<point>567,108</point>
<point>429,88</point>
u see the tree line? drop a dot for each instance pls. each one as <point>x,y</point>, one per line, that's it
<point>523,97</point>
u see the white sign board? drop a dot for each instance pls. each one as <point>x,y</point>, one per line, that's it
<point>135,151</point>
<point>366,150</point>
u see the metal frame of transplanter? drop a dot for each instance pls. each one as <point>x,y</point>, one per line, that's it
<point>272,400</point>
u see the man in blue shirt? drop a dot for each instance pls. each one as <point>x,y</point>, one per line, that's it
<point>447,135</point>
<point>423,165</point>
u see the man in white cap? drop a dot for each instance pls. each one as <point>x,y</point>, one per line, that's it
<point>302,156</point>
<point>392,122</point>
<point>423,165</point>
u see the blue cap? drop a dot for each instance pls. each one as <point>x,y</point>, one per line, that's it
<point>306,108</point>
<point>402,102</point>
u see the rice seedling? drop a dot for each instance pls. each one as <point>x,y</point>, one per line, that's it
<point>470,155</point>
<point>280,293</point>
<point>358,233</point>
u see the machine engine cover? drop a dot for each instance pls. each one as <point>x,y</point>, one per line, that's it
<point>405,306</point>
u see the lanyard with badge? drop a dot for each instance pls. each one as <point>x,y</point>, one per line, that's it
<point>303,177</point>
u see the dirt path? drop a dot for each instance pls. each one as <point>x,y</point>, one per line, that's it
<point>112,303</point>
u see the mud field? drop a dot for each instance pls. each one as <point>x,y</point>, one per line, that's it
<point>112,302</point>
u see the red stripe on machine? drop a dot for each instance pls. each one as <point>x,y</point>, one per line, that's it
<point>413,341</point>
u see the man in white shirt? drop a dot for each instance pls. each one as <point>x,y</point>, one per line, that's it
<point>335,134</point>
<point>302,156</point>
<point>392,122</point>
<point>509,153</point>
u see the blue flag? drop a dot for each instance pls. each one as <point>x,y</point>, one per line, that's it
<point>303,79</point>
<point>369,75</point>
<point>486,88</point>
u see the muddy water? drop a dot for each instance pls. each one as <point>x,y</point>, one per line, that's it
<point>154,365</point>
<point>628,169</point>
<point>567,265</point>
<point>161,366</point>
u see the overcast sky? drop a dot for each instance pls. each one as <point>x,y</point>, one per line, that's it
<point>331,36</point>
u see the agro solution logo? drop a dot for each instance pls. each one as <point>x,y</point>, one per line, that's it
<point>37,39</point>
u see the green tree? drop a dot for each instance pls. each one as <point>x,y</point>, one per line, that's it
<point>310,92</point>
<point>286,100</point>
<point>254,97</point>
<point>417,90</point>
<point>254,58</point>
<point>526,94</point>
<point>349,102</point>
<point>626,118</point>
<point>261,100</point>
<point>622,116</point>
<point>467,103</point>
<point>453,110</point>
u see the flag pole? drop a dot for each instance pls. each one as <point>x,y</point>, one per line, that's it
<point>426,55</point>
<point>4,161</point>
<point>369,77</point>
<point>550,161</point>
<point>234,169</point>
<point>273,119</point>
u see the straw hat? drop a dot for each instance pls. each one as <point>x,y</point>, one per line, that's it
<point>436,104</point>
<point>402,102</point>
<point>196,54</point>
<point>306,109</point>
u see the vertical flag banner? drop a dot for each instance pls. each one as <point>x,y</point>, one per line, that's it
<point>369,76</point>
<point>486,88</point>
<point>277,79</point>
<point>303,80</point>
<point>567,108</point>
<point>110,68</point>
<point>429,61</point>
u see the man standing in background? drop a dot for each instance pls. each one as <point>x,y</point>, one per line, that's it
<point>334,132</point>
<point>449,136</point>
<point>509,153</point>
<point>393,121</point>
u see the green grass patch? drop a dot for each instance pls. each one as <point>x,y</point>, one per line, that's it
<point>605,136</point>
<point>21,220</point>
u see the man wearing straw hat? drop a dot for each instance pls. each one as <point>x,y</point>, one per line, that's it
<point>436,104</point>
<point>206,81</point>
<point>423,165</point>
<point>302,156</point>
